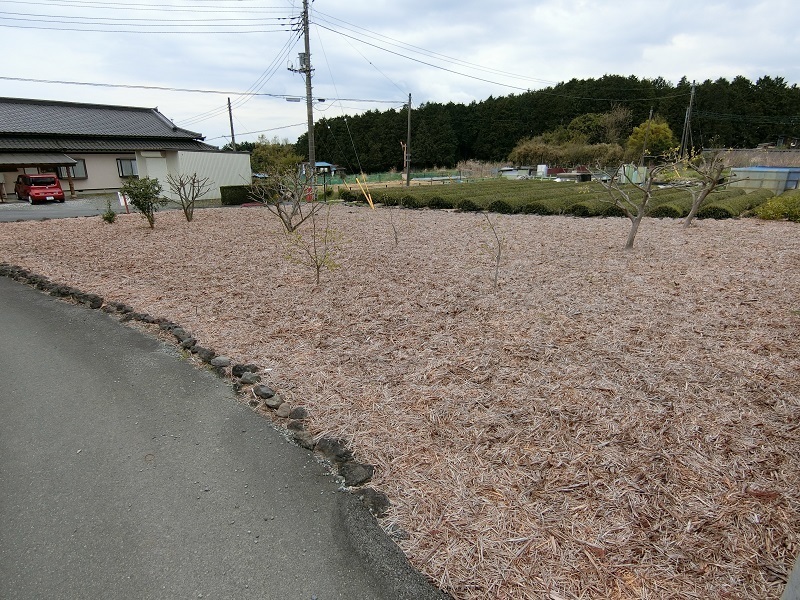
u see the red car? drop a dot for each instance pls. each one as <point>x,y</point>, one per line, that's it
<point>39,188</point>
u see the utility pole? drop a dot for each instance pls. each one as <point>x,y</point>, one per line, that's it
<point>686,136</point>
<point>408,145</point>
<point>230,117</point>
<point>305,67</point>
<point>646,136</point>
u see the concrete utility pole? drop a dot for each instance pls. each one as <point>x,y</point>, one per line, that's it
<point>305,67</point>
<point>408,146</point>
<point>686,136</point>
<point>646,136</point>
<point>230,117</point>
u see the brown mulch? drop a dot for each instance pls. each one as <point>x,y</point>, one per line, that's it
<point>605,424</point>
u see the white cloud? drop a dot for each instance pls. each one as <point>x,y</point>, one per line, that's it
<point>540,41</point>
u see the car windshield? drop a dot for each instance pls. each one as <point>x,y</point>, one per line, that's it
<point>43,180</point>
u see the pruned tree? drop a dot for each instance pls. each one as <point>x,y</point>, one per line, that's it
<point>188,189</point>
<point>632,198</point>
<point>709,169</point>
<point>287,194</point>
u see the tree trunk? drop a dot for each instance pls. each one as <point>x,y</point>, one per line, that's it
<point>696,204</point>
<point>634,228</point>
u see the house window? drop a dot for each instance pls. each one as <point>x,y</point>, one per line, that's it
<point>126,167</point>
<point>78,171</point>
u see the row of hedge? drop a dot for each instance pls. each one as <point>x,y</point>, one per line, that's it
<point>786,206</point>
<point>551,198</point>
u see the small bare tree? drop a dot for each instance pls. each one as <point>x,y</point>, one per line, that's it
<point>495,248</point>
<point>287,194</point>
<point>709,170</point>
<point>188,189</point>
<point>632,198</point>
<point>315,244</point>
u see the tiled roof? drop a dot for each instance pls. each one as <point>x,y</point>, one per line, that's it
<point>44,117</point>
<point>88,144</point>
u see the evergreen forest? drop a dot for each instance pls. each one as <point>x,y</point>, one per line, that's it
<point>732,114</point>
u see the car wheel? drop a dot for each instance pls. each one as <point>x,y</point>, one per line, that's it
<point>62,200</point>
<point>30,199</point>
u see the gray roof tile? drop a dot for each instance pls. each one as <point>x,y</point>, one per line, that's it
<point>44,117</point>
<point>89,144</point>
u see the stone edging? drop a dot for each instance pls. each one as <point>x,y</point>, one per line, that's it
<point>245,380</point>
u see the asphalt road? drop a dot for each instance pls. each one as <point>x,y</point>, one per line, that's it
<point>127,472</point>
<point>89,206</point>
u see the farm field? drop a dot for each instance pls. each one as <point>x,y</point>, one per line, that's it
<point>550,197</point>
<point>604,424</point>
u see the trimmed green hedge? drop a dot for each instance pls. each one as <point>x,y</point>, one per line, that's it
<point>731,206</point>
<point>785,206</point>
<point>547,197</point>
<point>233,195</point>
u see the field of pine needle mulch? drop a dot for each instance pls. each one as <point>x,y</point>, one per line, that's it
<point>602,424</point>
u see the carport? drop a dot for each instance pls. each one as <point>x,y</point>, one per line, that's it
<point>43,161</point>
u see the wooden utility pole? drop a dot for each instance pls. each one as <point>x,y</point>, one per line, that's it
<point>408,145</point>
<point>230,117</point>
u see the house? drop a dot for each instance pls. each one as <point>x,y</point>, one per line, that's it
<point>96,147</point>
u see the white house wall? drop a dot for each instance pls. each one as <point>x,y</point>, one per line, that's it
<point>221,168</point>
<point>153,164</point>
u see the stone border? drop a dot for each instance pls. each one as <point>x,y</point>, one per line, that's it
<point>359,510</point>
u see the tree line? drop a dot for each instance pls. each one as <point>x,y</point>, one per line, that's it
<point>733,114</point>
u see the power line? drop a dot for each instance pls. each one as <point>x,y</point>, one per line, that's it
<point>118,20</point>
<point>189,90</point>
<point>138,31</point>
<point>219,137</point>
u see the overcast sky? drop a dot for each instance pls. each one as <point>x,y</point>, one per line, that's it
<point>370,54</point>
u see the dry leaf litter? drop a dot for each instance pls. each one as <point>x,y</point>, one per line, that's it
<point>604,424</point>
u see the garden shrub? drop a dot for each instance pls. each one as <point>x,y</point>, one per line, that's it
<point>388,200</point>
<point>467,205</point>
<point>437,202</point>
<point>346,195</point>
<point>785,206</point>
<point>500,206</point>
<point>669,210</point>
<point>732,206</point>
<point>409,201</point>
<point>534,208</point>
<point>234,195</point>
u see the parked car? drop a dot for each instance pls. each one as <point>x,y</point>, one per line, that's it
<point>39,188</point>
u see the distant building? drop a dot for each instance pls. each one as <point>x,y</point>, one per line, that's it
<point>96,147</point>
<point>777,179</point>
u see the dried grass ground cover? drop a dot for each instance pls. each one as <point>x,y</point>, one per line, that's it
<point>609,424</point>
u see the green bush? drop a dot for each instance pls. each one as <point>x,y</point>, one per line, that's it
<point>669,210</point>
<point>785,206</point>
<point>144,195</point>
<point>500,206</point>
<point>534,208</point>
<point>388,200</point>
<point>732,206</point>
<point>437,202</point>
<point>234,195</point>
<point>409,201</point>
<point>467,205</point>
